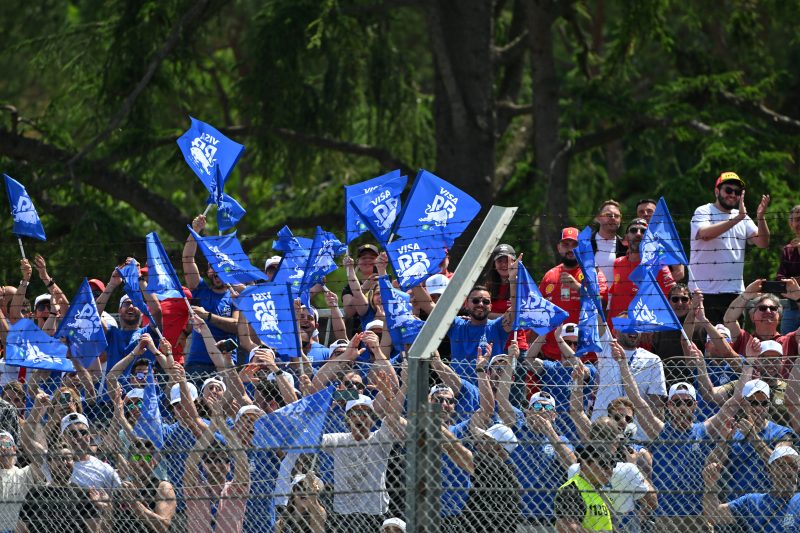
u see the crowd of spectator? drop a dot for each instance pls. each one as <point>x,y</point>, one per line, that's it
<point>665,432</point>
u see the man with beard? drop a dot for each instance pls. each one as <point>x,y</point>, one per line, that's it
<point>561,285</point>
<point>606,244</point>
<point>719,233</point>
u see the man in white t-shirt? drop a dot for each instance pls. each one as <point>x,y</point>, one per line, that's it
<point>718,236</point>
<point>89,472</point>
<point>14,482</point>
<point>606,244</point>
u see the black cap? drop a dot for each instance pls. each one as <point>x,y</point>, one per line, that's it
<point>367,248</point>
<point>504,249</point>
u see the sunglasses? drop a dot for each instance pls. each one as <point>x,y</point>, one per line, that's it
<point>618,417</point>
<point>635,231</point>
<point>759,403</point>
<point>146,457</point>
<point>679,402</point>
<point>441,399</point>
<point>484,301</point>
<point>216,460</point>
<point>571,343</point>
<point>677,299</point>
<point>79,432</point>
<point>765,308</point>
<point>732,190</point>
<point>605,464</point>
<point>42,307</point>
<point>611,215</point>
<point>6,444</point>
<point>62,458</point>
<point>539,406</point>
<point>134,405</point>
<point>353,384</point>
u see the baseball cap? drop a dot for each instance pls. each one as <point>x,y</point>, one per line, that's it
<point>396,522</point>
<point>498,357</point>
<point>722,328</point>
<point>125,298</point>
<point>71,419</point>
<point>211,380</point>
<point>340,343</point>
<point>504,250</point>
<point>542,397</point>
<point>374,324</point>
<point>367,248</point>
<point>272,261</point>
<point>682,389</point>
<point>436,284</point>
<point>9,436</point>
<point>41,298</point>
<point>135,393</point>
<point>175,393</point>
<point>569,329</point>
<point>285,376</point>
<point>436,389</point>
<point>753,386</point>
<point>636,222</point>
<point>782,451</point>
<point>726,177</point>
<point>569,234</point>
<point>771,346</point>
<point>361,400</point>
<point>503,435</point>
<point>248,409</point>
<point>97,284</point>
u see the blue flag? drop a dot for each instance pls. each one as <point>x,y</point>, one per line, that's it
<point>295,257</point>
<point>204,148</point>
<point>403,325</point>
<point>298,427</point>
<point>26,219</point>
<point>225,255</point>
<point>415,259</point>
<point>149,425</point>
<point>435,207</point>
<point>321,259</point>
<point>82,328</point>
<point>30,347</point>
<point>269,308</point>
<point>162,279</point>
<point>588,334</point>
<point>649,310</point>
<point>378,208</point>
<point>130,275</point>
<point>531,311</point>
<point>660,245</point>
<point>585,257</point>
<point>353,224</point>
<point>229,212</point>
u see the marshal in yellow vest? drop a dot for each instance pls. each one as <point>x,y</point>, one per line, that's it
<point>598,517</point>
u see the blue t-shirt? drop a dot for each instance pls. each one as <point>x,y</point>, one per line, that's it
<point>178,440</point>
<point>765,513</point>
<point>678,461</point>
<point>121,342</point>
<point>539,471</point>
<point>556,380</point>
<point>455,486</point>
<point>260,513</point>
<point>318,355</point>
<point>467,402</point>
<point>465,339</point>
<point>219,304</point>
<point>746,472</point>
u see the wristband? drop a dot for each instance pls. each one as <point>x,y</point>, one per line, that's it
<point>24,283</point>
<point>278,372</point>
<point>52,282</point>
<point>208,317</point>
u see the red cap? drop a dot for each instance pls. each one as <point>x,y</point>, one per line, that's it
<point>569,233</point>
<point>97,284</point>
<point>728,176</point>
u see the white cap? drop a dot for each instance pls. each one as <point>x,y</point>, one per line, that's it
<point>275,260</point>
<point>361,400</point>
<point>125,298</point>
<point>436,284</point>
<point>682,389</point>
<point>771,346</point>
<point>396,522</point>
<point>753,386</point>
<point>498,357</point>
<point>782,451</point>
<point>723,329</point>
<point>503,435</point>
<point>9,436</point>
<point>247,409</point>
<point>73,418</point>
<point>214,379</point>
<point>569,329</point>
<point>135,393</point>
<point>436,389</point>
<point>335,345</point>
<point>41,298</point>
<point>175,393</point>
<point>298,479</point>
<point>286,376</point>
<point>374,324</point>
<point>542,397</point>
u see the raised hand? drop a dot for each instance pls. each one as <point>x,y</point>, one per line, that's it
<point>25,269</point>
<point>712,473</point>
<point>617,352</point>
<point>41,267</point>
<point>199,223</point>
<point>742,206</point>
<point>513,267</point>
<point>762,206</point>
<point>332,299</point>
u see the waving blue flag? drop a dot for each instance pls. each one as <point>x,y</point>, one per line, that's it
<point>649,310</point>
<point>660,245</point>
<point>588,334</point>
<point>162,279</point>
<point>204,148</point>
<point>378,208</point>
<point>321,259</point>
<point>229,213</point>
<point>269,308</point>
<point>434,206</point>
<point>225,255</point>
<point>30,347</point>
<point>82,328</point>
<point>531,311</point>
<point>415,259</point>
<point>353,224</point>
<point>130,275</point>
<point>149,426</point>
<point>403,325</point>
<point>298,427</point>
<point>26,219</point>
<point>295,257</point>
<point>585,257</point>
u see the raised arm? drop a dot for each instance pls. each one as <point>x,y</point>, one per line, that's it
<point>341,363</point>
<point>513,270</point>
<point>234,445</point>
<point>482,417</point>
<point>357,303</point>
<point>52,287</point>
<point>576,412</point>
<point>379,361</point>
<point>650,423</point>
<point>145,342</point>
<point>737,306</point>
<point>457,452</point>
<point>338,327</point>
<point>190,271</point>
<point>714,511</point>
<point>761,239</point>
<point>102,300</point>
<point>505,379</point>
<point>447,374</point>
<point>18,300</point>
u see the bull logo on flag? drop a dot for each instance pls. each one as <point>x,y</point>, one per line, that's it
<point>413,266</point>
<point>324,259</point>
<point>440,210</point>
<point>298,273</point>
<point>85,324</point>
<point>534,312</point>
<point>223,260</point>
<point>34,354</point>
<point>24,211</point>
<point>386,213</point>
<point>642,313</point>
<point>203,151</point>
<point>267,316</point>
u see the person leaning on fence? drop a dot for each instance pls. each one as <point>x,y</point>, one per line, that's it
<point>775,510</point>
<point>580,502</point>
<point>304,513</point>
<point>15,482</point>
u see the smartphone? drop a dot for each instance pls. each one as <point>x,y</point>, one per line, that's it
<point>345,395</point>
<point>194,301</point>
<point>228,345</point>
<point>775,287</point>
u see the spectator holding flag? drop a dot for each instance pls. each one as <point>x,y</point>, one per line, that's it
<point>645,209</point>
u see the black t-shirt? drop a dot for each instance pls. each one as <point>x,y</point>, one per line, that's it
<point>64,509</point>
